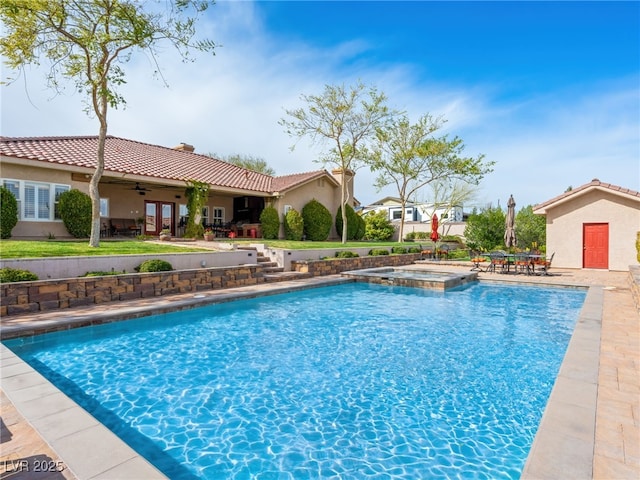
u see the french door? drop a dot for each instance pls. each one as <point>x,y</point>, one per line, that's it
<point>158,216</point>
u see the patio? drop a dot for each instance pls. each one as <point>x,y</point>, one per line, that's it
<point>616,452</point>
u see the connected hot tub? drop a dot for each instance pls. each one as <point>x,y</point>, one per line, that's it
<point>413,277</point>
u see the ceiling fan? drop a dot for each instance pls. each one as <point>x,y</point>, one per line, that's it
<point>140,189</point>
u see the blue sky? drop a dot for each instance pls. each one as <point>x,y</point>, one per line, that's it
<point>550,91</point>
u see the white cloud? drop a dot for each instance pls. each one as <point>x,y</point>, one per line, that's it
<point>231,103</point>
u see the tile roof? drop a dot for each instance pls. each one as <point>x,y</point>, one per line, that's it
<point>124,156</point>
<point>592,184</point>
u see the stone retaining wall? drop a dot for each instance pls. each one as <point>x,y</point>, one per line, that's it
<point>42,295</point>
<point>338,265</point>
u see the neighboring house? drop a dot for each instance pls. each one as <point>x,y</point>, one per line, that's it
<point>593,226</point>
<point>414,212</point>
<point>418,216</point>
<point>145,185</point>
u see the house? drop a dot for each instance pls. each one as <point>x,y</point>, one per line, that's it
<point>143,185</point>
<point>418,215</point>
<point>593,226</point>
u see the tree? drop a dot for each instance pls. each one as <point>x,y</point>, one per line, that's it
<point>345,121</point>
<point>485,230</point>
<point>445,195</point>
<point>249,162</point>
<point>408,156</point>
<point>530,229</point>
<point>87,42</point>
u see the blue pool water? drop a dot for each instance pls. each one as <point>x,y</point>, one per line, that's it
<point>351,381</point>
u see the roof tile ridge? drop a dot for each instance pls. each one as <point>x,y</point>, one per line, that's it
<point>593,183</point>
<point>50,138</point>
<point>311,172</point>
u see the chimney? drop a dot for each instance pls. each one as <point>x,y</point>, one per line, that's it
<point>185,147</point>
<point>340,176</point>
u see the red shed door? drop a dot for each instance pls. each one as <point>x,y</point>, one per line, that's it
<point>596,245</point>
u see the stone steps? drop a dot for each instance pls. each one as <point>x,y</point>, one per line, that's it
<point>274,272</point>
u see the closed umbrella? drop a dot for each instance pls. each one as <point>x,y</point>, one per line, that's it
<point>509,223</point>
<point>434,228</point>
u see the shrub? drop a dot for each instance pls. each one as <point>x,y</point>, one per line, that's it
<point>410,237</point>
<point>353,223</point>
<point>8,212</point>
<point>414,250</point>
<point>452,239</point>
<point>156,265</point>
<point>458,254</point>
<point>317,221</point>
<point>101,274</point>
<point>8,275</point>
<point>378,251</point>
<point>270,223</point>
<point>293,225</point>
<point>75,211</point>
<point>346,254</point>
<point>379,227</point>
<point>398,250</point>
<point>362,228</point>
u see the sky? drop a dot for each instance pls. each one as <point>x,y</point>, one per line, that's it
<point>549,91</point>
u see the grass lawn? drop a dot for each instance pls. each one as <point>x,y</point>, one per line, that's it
<point>293,245</point>
<point>66,248</point>
<point>54,248</point>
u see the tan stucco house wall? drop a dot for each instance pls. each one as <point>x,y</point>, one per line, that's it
<point>596,203</point>
<point>141,180</point>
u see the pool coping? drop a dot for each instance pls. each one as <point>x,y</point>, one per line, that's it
<point>563,446</point>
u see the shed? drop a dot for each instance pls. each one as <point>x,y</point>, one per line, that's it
<point>593,226</point>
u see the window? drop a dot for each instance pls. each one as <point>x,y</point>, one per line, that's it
<point>14,187</point>
<point>36,201</point>
<point>396,214</point>
<point>183,215</point>
<point>205,215</point>
<point>104,207</point>
<point>218,215</point>
<point>58,190</point>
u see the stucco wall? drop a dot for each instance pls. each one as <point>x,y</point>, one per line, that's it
<point>323,190</point>
<point>123,201</point>
<point>65,267</point>
<point>565,228</point>
<point>41,229</point>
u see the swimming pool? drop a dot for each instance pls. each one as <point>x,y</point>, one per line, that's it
<point>422,384</point>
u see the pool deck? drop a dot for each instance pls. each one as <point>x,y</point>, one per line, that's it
<point>590,429</point>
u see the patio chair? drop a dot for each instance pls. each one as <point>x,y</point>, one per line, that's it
<point>498,262</point>
<point>545,265</point>
<point>477,259</point>
<point>523,263</point>
<point>427,251</point>
<point>443,251</point>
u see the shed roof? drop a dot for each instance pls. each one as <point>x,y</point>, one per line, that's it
<point>595,184</point>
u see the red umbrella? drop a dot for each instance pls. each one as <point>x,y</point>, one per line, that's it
<point>434,228</point>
